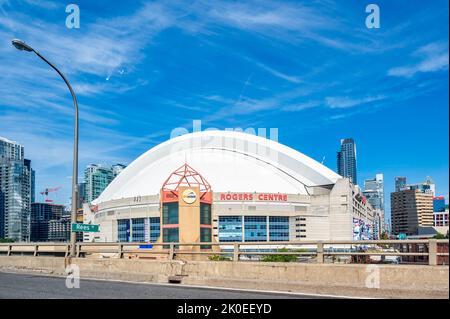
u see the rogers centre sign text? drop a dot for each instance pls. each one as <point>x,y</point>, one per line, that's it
<point>251,197</point>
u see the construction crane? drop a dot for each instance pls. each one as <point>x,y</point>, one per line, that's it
<point>46,191</point>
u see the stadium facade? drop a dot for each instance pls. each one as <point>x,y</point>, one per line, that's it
<point>260,190</point>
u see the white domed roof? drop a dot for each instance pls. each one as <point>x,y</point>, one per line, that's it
<point>228,160</point>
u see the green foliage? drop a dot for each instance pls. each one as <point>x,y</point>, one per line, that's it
<point>6,240</point>
<point>219,258</point>
<point>439,236</point>
<point>281,257</point>
<point>384,236</point>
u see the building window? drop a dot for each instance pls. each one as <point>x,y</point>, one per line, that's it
<point>205,214</point>
<point>170,235</point>
<point>170,213</point>
<point>205,237</point>
<point>278,228</point>
<point>230,228</point>
<point>255,228</point>
<point>155,230</point>
<point>123,230</point>
<point>138,230</point>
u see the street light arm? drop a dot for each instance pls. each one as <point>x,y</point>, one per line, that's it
<point>74,98</point>
<point>74,207</point>
<point>22,46</point>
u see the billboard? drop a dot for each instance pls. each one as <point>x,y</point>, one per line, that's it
<point>362,230</point>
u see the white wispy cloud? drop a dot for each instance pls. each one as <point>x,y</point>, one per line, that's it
<point>36,108</point>
<point>103,45</point>
<point>269,15</point>
<point>301,106</point>
<point>341,102</point>
<point>281,75</point>
<point>432,57</point>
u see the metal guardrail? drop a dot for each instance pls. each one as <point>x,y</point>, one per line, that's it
<point>319,250</point>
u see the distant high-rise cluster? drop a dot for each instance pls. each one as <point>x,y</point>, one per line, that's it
<point>346,160</point>
<point>16,191</point>
<point>96,178</point>
<point>412,207</point>
<point>374,193</point>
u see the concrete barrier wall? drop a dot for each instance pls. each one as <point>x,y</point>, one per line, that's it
<point>394,281</point>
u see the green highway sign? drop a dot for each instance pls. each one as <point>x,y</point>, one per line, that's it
<point>84,228</point>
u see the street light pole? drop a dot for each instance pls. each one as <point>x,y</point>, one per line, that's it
<point>20,45</point>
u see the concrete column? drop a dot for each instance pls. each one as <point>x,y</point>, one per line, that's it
<point>120,251</point>
<point>243,227</point>
<point>236,252</point>
<point>432,252</point>
<point>319,252</point>
<point>171,251</point>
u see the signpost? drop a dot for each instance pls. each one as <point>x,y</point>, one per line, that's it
<point>84,228</point>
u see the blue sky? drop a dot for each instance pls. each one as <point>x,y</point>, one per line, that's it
<point>311,69</point>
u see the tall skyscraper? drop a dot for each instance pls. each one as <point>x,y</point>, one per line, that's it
<point>374,192</point>
<point>346,160</point>
<point>410,209</point>
<point>97,177</point>
<point>400,182</point>
<point>16,187</point>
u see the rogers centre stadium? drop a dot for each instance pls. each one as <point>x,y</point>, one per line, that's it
<point>247,188</point>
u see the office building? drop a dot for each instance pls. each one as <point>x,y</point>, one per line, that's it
<point>97,177</point>
<point>16,191</point>
<point>439,204</point>
<point>440,219</point>
<point>241,187</point>
<point>440,215</point>
<point>374,193</point>
<point>411,209</point>
<point>41,214</point>
<point>425,187</point>
<point>400,183</point>
<point>346,160</point>
<point>59,229</point>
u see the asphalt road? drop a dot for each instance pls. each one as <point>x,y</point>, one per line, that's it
<point>31,286</point>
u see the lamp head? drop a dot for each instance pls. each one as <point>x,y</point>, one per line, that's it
<point>20,45</point>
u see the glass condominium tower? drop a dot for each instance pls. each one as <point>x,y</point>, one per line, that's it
<point>16,187</point>
<point>97,177</point>
<point>346,160</point>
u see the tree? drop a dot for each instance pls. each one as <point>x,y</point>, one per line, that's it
<point>281,257</point>
<point>384,236</point>
<point>439,236</point>
<point>6,240</point>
